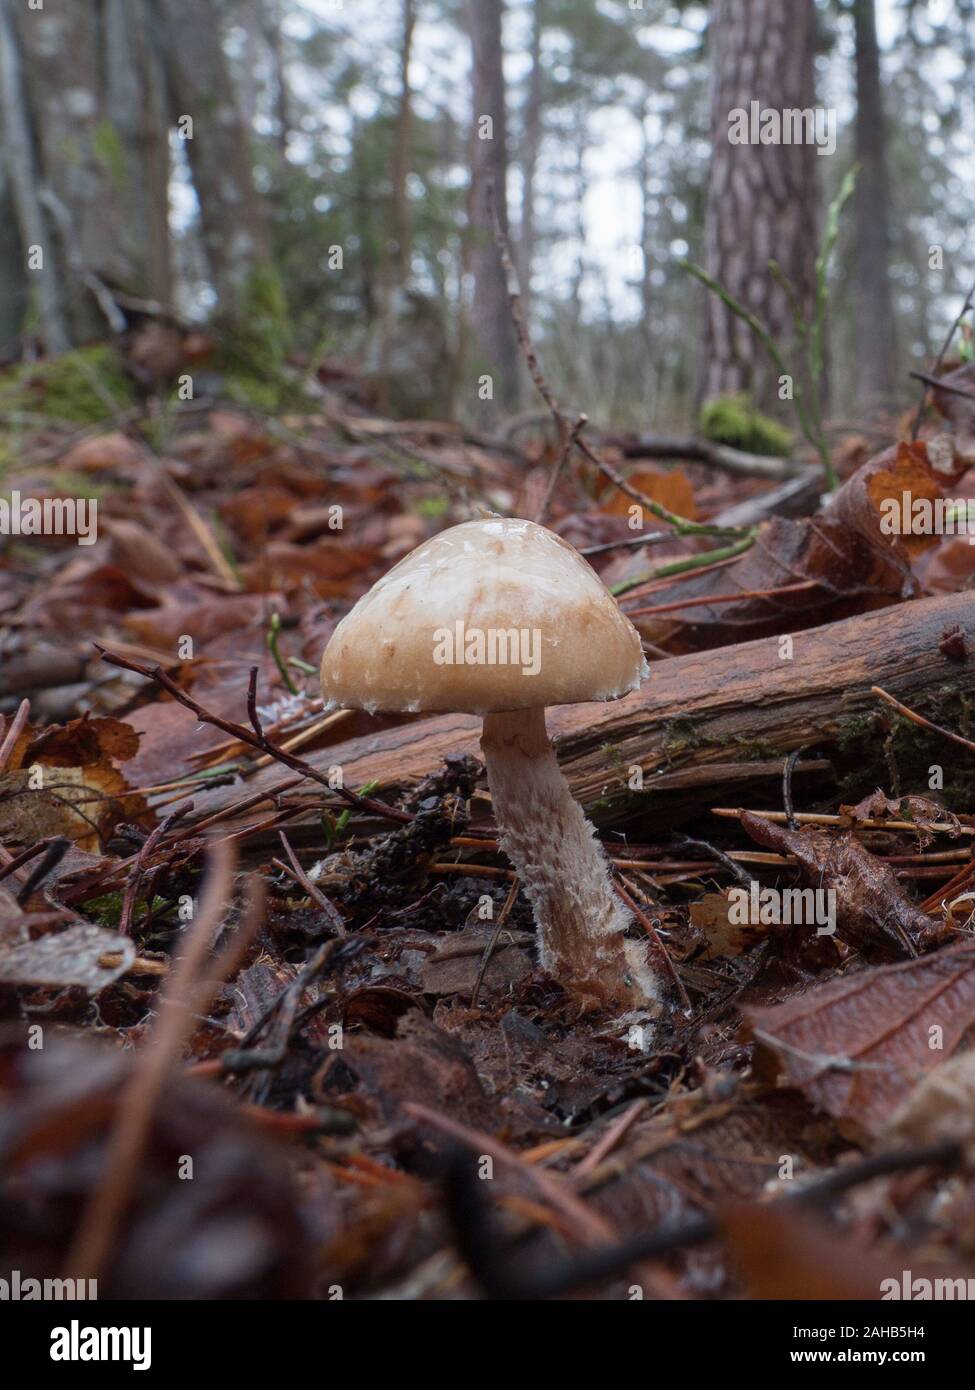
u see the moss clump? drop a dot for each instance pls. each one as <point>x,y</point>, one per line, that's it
<point>81,387</point>
<point>110,152</point>
<point>254,355</point>
<point>734,421</point>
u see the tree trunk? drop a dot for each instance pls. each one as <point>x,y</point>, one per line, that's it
<point>494,339</point>
<point>14,288</point>
<point>21,166</point>
<point>876,354</point>
<point>235,233</point>
<point>135,99</point>
<point>761,202</point>
<point>712,726</point>
<point>531,144</point>
<point>279,67</point>
<point>396,261</point>
<point>82,181</point>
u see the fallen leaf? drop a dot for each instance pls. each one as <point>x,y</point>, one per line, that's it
<point>870,906</point>
<point>857,1046</point>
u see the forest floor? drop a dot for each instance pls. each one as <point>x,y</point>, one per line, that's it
<point>323,1003</point>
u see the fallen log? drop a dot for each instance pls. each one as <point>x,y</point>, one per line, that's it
<point>697,450</point>
<point>713,725</point>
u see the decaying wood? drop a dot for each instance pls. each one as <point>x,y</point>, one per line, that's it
<point>709,722</point>
<point>697,450</point>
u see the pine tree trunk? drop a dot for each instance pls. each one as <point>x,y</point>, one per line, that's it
<point>493,334</point>
<point>876,354</point>
<point>761,203</point>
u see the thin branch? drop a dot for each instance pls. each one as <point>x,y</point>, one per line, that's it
<point>243,735</point>
<point>920,720</point>
<point>184,996</point>
<point>936,370</point>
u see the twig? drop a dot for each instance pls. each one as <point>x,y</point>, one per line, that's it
<point>24,857</point>
<point>656,944</point>
<point>609,1141</point>
<point>252,739</point>
<point>589,1224</point>
<point>568,444</point>
<point>572,432</point>
<point>497,1268</point>
<point>941,385</point>
<point>14,732</point>
<point>314,892</point>
<point>53,855</point>
<point>182,998</point>
<point>818,818</point>
<point>968,304</point>
<point>704,600</point>
<point>920,720</point>
<point>150,844</point>
<point>509,903</point>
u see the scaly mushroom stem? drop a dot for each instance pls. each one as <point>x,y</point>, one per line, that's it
<point>562,867</point>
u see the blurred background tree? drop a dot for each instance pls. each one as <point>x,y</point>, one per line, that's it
<point>309,175</point>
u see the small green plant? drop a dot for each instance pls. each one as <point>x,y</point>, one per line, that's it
<point>733,420</point>
<point>809,333</point>
<point>334,826</point>
<point>272,636</point>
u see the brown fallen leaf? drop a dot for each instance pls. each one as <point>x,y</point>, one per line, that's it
<point>870,906</point>
<point>671,487</point>
<point>856,1047</point>
<point>710,915</point>
<point>860,502</point>
<point>64,781</point>
<point>797,574</point>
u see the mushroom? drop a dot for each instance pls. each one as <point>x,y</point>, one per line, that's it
<point>500,618</point>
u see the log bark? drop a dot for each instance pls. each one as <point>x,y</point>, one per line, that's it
<point>711,725</point>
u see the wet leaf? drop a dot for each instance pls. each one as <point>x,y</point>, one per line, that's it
<point>858,1045</point>
<point>870,906</point>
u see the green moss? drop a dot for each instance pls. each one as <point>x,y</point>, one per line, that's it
<point>734,421</point>
<point>81,387</point>
<point>255,347</point>
<point>110,152</point>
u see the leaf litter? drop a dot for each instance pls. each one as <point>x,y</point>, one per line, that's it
<point>388,1020</point>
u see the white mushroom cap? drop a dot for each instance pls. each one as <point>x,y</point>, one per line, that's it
<point>491,615</point>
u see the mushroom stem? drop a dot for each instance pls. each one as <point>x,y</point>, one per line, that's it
<point>562,867</point>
